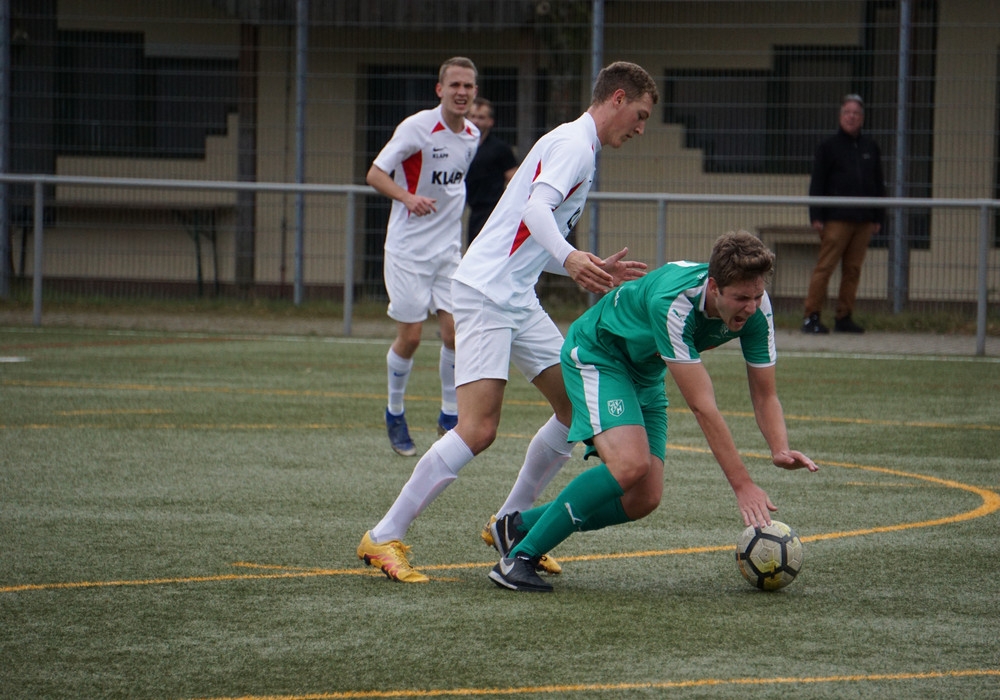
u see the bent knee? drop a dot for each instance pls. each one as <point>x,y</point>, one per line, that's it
<point>640,502</point>
<point>477,437</point>
<point>629,474</point>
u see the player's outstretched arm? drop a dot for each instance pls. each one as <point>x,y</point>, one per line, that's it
<point>623,270</point>
<point>771,420</point>
<point>754,504</point>
<point>696,387</point>
<point>793,459</point>
<point>585,269</point>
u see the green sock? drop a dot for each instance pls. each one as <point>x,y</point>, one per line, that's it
<point>530,517</point>
<point>611,513</point>
<point>584,497</point>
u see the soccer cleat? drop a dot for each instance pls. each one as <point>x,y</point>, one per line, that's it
<point>391,558</point>
<point>518,574</point>
<point>446,421</point>
<point>399,434</point>
<point>506,532</point>
<point>813,326</point>
<point>513,535</point>
<point>847,325</point>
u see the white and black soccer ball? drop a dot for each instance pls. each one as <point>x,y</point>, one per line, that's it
<point>769,557</point>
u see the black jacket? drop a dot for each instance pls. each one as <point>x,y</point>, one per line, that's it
<point>846,166</point>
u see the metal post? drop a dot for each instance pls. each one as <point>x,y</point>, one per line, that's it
<point>982,279</point>
<point>5,271</point>
<point>349,264</point>
<point>596,63</point>
<point>661,232</point>
<point>899,251</point>
<point>36,280</point>
<point>301,47</point>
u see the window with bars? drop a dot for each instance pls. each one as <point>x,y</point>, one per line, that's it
<point>113,100</point>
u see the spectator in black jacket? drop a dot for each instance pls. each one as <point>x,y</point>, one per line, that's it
<point>491,169</point>
<point>848,164</point>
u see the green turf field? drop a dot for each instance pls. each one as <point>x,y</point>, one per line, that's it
<point>179,514</point>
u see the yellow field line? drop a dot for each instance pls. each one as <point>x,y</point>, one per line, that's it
<point>620,687</point>
<point>188,579</point>
<point>185,389</point>
<point>114,412</point>
<point>283,572</point>
<point>990,504</point>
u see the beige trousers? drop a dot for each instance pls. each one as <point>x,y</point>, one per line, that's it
<point>843,242</point>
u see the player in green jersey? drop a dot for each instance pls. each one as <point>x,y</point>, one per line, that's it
<point>614,362</point>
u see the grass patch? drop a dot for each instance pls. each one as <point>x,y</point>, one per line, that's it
<point>180,513</point>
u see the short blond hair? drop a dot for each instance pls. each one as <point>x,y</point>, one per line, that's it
<point>460,62</point>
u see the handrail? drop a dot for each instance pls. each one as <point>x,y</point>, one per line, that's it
<point>662,199</point>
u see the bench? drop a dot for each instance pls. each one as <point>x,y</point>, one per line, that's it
<point>200,221</point>
<point>795,249</point>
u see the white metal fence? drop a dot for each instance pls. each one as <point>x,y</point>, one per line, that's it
<point>976,279</point>
<point>202,92</point>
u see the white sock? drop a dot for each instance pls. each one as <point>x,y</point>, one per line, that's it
<point>434,471</point>
<point>547,452</point>
<point>398,371</point>
<point>446,367</point>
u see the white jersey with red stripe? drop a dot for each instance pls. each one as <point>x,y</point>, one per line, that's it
<point>429,159</point>
<point>503,262</point>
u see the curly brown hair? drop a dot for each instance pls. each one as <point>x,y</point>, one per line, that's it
<point>738,256</point>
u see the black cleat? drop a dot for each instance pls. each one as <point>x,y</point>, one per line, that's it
<point>509,534</point>
<point>506,533</point>
<point>518,574</point>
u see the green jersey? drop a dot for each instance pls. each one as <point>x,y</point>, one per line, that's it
<point>661,318</point>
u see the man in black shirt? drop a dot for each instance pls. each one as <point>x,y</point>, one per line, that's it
<point>848,164</point>
<point>491,169</point>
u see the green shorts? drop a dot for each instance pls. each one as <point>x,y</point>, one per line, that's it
<point>605,395</point>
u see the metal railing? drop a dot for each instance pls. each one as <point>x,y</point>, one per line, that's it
<point>987,208</point>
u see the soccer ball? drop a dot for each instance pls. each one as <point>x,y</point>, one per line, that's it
<point>769,557</point>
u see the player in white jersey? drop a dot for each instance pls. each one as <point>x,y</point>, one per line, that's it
<point>499,319</point>
<point>422,169</point>
<point>506,264</point>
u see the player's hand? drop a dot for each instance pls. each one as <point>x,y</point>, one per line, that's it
<point>623,270</point>
<point>793,459</point>
<point>755,505</point>
<point>585,269</point>
<point>420,206</point>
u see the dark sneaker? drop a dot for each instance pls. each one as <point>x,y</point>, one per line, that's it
<point>506,533</point>
<point>399,434</point>
<point>545,562</point>
<point>847,325</point>
<point>811,324</point>
<point>518,574</point>
<point>446,421</point>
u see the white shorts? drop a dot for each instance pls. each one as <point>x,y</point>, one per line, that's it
<point>489,337</point>
<point>418,288</point>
